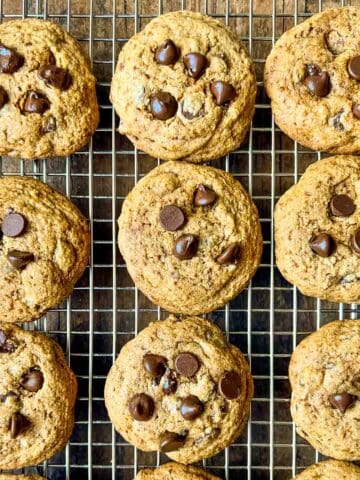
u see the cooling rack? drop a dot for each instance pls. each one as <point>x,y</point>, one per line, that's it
<point>105,310</point>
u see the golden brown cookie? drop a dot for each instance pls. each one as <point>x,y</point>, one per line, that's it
<point>317,231</point>
<point>312,76</point>
<point>190,236</point>
<point>37,397</point>
<point>44,248</point>
<point>174,471</point>
<point>324,374</point>
<point>330,470</point>
<point>48,104</point>
<point>184,88</point>
<point>192,393</point>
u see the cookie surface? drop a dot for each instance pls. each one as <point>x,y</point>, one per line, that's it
<point>184,88</point>
<point>330,470</point>
<point>312,77</point>
<point>325,382</point>
<point>192,392</point>
<point>317,236</point>
<point>47,91</point>
<point>44,248</point>
<point>190,236</point>
<point>37,397</point>
<point>174,471</point>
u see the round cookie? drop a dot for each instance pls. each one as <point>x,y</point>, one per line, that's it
<point>174,471</point>
<point>330,470</point>
<point>190,236</point>
<point>48,104</point>
<point>317,231</point>
<point>312,78</point>
<point>324,374</point>
<point>192,393</point>
<point>44,248</point>
<point>37,397</point>
<point>184,88</point>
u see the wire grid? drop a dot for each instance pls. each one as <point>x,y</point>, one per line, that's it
<point>105,310</point>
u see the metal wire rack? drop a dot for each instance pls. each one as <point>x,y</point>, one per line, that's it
<point>105,310</point>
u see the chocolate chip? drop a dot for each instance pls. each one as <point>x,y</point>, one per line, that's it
<point>187,364</point>
<point>172,218</point>
<point>191,407</point>
<point>342,401</point>
<point>18,424</point>
<point>186,247</point>
<point>32,381</point>
<point>170,441</point>
<point>50,125</point>
<point>230,385</point>
<point>231,254</point>
<point>195,64</point>
<point>169,383</point>
<point>35,102</point>
<point>6,345</point>
<point>56,77</point>
<point>154,364</point>
<point>19,259</point>
<point>141,407</point>
<point>204,196</point>
<point>3,97</point>
<point>163,106</point>
<point>318,83</point>
<point>167,53</point>
<point>191,115</point>
<point>356,110</point>
<point>355,241</point>
<point>223,92</point>
<point>10,61</point>
<point>322,244</point>
<point>356,380</point>
<point>337,123</point>
<point>353,67</point>
<point>13,225</point>
<point>342,206</point>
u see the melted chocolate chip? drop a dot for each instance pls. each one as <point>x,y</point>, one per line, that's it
<point>322,244</point>
<point>170,441</point>
<point>191,407</point>
<point>195,64</point>
<point>19,259</point>
<point>186,247</point>
<point>6,345</point>
<point>13,225</point>
<point>204,196</point>
<point>355,241</point>
<point>231,254</point>
<point>18,424</point>
<point>353,67</point>
<point>10,61</point>
<point>172,218</point>
<point>356,110</point>
<point>35,102</point>
<point>342,401</point>
<point>230,385</point>
<point>187,364</point>
<point>169,383</point>
<point>141,407</point>
<point>317,82</point>
<point>163,106</point>
<point>342,206</point>
<point>167,53</point>
<point>55,76</point>
<point>3,97</point>
<point>223,92</point>
<point>155,365</point>
<point>32,381</point>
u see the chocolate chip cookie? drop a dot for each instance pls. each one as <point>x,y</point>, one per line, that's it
<point>324,374</point>
<point>317,231</point>
<point>312,76</point>
<point>174,471</point>
<point>190,236</point>
<point>37,397</point>
<point>44,248</point>
<point>184,88</point>
<point>192,392</point>
<point>330,470</point>
<point>48,103</point>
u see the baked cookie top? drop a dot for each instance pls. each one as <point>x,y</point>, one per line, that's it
<point>44,248</point>
<point>48,104</point>
<point>325,401</point>
<point>312,76</point>
<point>184,88</point>
<point>37,397</point>
<point>317,230</point>
<point>330,470</point>
<point>190,236</point>
<point>192,391</point>
<point>174,471</point>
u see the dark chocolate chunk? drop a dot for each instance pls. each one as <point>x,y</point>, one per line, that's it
<point>230,385</point>
<point>170,441</point>
<point>186,247</point>
<point>322,244</point>
<point>342,401</point>
<point>13,225</point>
<point>141,407</point>
<point>55,76</point>
<point>18,424</point>
<point>353,67</point>
<point>231,254</point>
<point>195,64</point>
<point>187,364</point>
<point>163,106</point>
<point>35,102</point>
<point>155,365</point>
<point>19,259</point>
<point>223,92</point>
<point>32,380</point>
<point>10,61</point>
<point>172,218</point>
<point>342,206</point>
<point>204,196</point>
<point>191,407</point>
<point>167,53</point>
